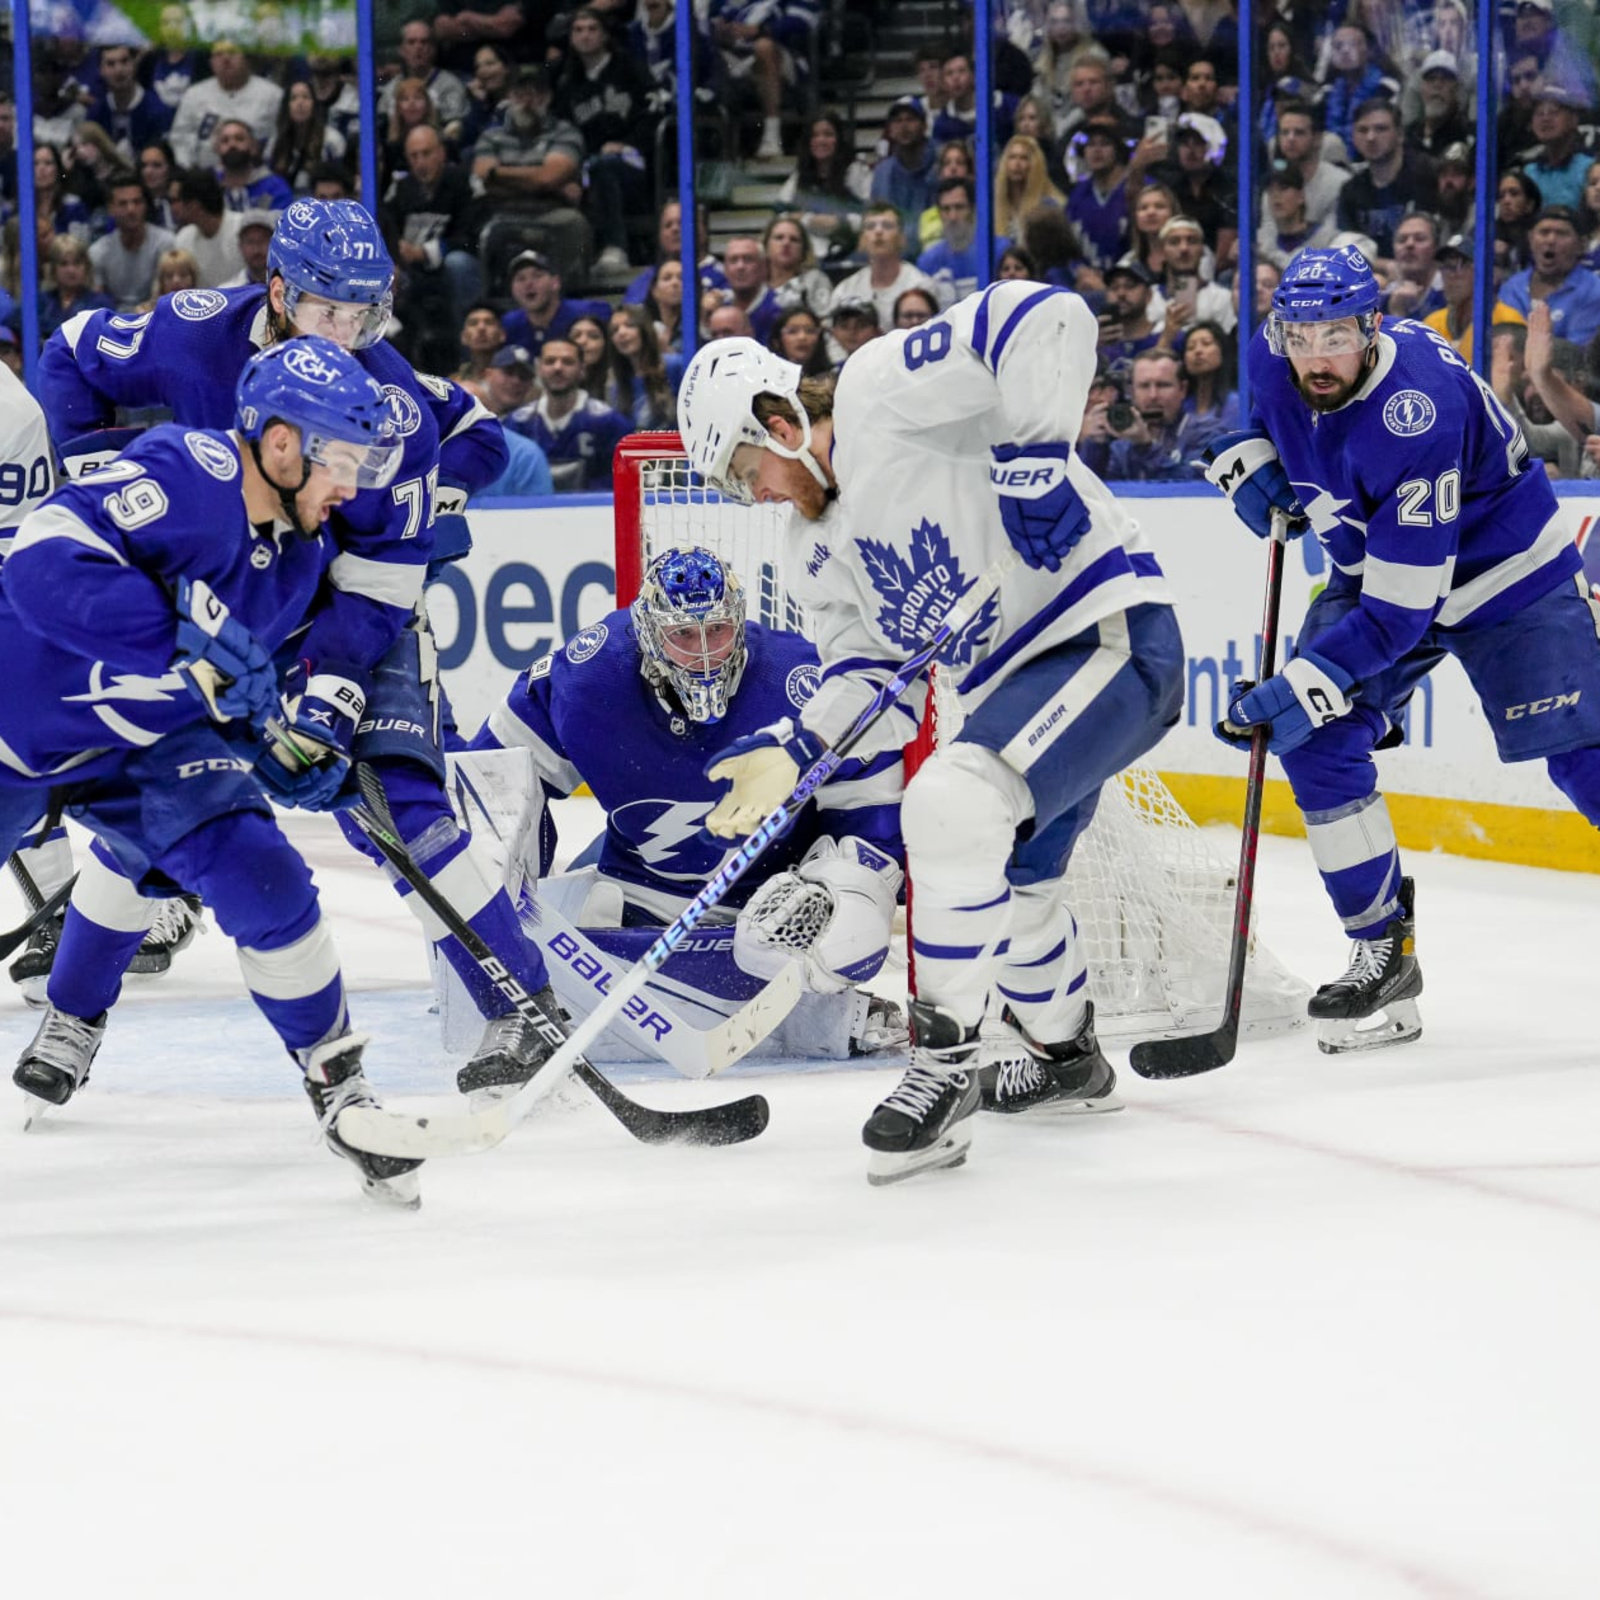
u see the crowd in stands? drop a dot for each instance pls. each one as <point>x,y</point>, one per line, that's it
<point>525,156</point>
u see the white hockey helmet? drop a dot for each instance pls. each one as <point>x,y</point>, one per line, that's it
<point>716,410</point>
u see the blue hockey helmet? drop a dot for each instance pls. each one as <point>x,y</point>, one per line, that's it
<point>345,420</point>
<point>1325,286</point>
<point>689,620</point>
<point>333,251</point>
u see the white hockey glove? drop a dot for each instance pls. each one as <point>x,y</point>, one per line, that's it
<point>836,909</point>
<point>763,769</point>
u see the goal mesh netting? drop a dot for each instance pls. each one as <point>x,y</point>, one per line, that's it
<point>1153,896</point>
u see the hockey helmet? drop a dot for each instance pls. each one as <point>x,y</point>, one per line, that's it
<point>333,251</point>
<point>345,419</point>
<point>689,620</point>
<point>1324,286</point>
<point>716,411</point>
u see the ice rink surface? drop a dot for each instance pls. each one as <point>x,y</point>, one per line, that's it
<point>1305,1329</point>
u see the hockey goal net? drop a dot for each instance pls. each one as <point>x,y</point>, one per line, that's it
<point>1153,896</point>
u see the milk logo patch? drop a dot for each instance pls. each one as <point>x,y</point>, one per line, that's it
<point>917,593</point>
<point>406,412</point>
<point>1409,413</point>
<point>307,365</point>
<point>213,455</point>
<point>583,645</point>
<point>802,683</point>
<point>195,305</point>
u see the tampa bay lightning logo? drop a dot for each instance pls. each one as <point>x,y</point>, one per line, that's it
<point>802,683</point>
<point>917,594</point>
<point>195,305</point>
<point>1409,413</point>
<point>213,455</point>
<point>407,413</point>
<point>583,645</point>
<point>669,835</point>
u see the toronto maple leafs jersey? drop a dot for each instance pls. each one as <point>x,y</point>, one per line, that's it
<point>588,715</point>
<point>187,354</point>
<point>1421,487</point>
<point>917,517</point>
<point>88,616</point>
<point>27,473</point>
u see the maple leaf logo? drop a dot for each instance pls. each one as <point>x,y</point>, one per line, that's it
<point>916,594</point>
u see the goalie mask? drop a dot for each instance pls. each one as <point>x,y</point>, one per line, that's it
<point>689,619</point>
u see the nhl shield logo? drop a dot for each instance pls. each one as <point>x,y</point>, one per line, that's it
<point>1409,413</point>
<point>261,556</point>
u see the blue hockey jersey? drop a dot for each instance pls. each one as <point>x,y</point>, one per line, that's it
<point>588,715</point>
<point>187,354</point>
<point>88,618</point>
<point>1421,487</point>
<point>588,433</point>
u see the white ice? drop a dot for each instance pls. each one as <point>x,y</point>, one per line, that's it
<point>1306,1328</point>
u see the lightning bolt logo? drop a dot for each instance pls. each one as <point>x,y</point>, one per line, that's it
<point>129,686</point>
<point>676,826</point>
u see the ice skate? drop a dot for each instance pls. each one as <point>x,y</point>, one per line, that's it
<point>923,1124</point>
<point>1374,1003</point>
<point>334,1081</point>
<point>176,924</point>
<point>1068,1079</point>
<point>31,970</point>
<point>879,1025</point>
<point>511,1050</point>
<point>56,1064</point>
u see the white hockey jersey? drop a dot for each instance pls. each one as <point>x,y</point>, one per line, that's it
<point>207,103</point>
<point>27,470</point>
<point>918,519</point>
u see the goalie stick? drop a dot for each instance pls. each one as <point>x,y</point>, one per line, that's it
<point>398,1133</point>
<point>1205,1052</point>
<point>731,1123</point>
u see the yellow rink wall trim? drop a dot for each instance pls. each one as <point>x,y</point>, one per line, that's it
<point>1522,834</point>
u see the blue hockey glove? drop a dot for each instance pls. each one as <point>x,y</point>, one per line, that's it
<point>1309,692</point>
<point>1246,468</point>
<point>219,659</point>
<point>307,758</point>
<point>763,769</point>
<point>1043,514</point>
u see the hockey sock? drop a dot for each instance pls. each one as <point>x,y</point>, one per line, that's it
<point>1576,773</point>
<point>107,919</point>
<point>48,859</point>
<point>1044,978</point>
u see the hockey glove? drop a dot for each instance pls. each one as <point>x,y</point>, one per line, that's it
<point>1246,468</point>
<point>219,659</point>
<point>1309,692</point>
<point>307,759</point>
<point>1043,515</point>
<point>763,769</point>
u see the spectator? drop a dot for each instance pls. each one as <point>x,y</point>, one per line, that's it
<point>1288,229</point>
<point>246,184</point>
<point>329,182</point>
<point>956,262</point>
<point>1015,262</point>
<point>1561,373</point>
<point>576,432</point>
<point>745,263</point>
<point>8,152</point>
<point>1564,58</point>
<point>508,380</point>
<point>1589,216</point>
<point>1201,94</point>
<point>1032,121</point>
<point>57,110</point>
<point>1052,246</point>
<point>1571,291</point>
<point>1517,201</point>
<point>419,59</point>
<point>124,262</point>
<point>1209,365</point>
<point>72,291</point>
<point>592,336</point>
<point>1456,184</point>
<point>760,41</point>
<point>530,165</point>
<point>175,270</point>
<point>304,141</point>
<point>1354,80</point>
<point>1126,327</point>
<point>541,312</point>
<point>1300,140</point>
<point>1443,120</point>
<point>1548,440</point>
<point>669,247</point>
<point>663,299</point>
<point>527,474</point>
<point>957,113</point>
<point>954,160</point>
<point>336,97</point>
<point>851,324</point>
<point>1393,182</point>
<point>1098,203</point>
<point>1416,289</point>
<point>646,383</point>
<point>486,91</point>
<point>915,307</point>
<point>905,177</point>
<point>1094,99</point>
<point>481,335</point>
<point>255,236</point>
<point>798,338</point>
<point>827,189</point>
<point>1190,298</point>
<point>11,349</point>
<point>1163,440</point>
<point>1169,66</point>
<point>792,271</point>
<point>1195,175</point>
<point>461,26</point>
<point>887,274</point>
<point>1454,318</point>
<point>1021,186</point>
<point>727,321</point>
<point>1066,37</point>
<point>57,212</point>
<point>206,229</point>
<point>1558,167</point>
<point>1268,277</point>
<point>94,161</point>
<point>157,168</point>
<point>169,69</point>
<point>130,113</point>
<point>231,91</point>
<point>1514,134</point>
<point>1154,207</point>
<point>410,108</point>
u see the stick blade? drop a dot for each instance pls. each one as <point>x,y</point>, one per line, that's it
<point>734,1039</point>
<point>1184,1058</point>
<point>422,1135</point>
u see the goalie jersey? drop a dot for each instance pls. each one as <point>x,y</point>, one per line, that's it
<point>589,716</point>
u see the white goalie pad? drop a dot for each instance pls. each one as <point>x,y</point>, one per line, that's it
<point>836,910</point>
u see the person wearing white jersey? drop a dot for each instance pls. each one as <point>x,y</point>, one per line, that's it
<point>944,449</point>
<point>233,91</point>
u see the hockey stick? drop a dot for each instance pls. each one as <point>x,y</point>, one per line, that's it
<point>41,908</point>
<point>457,1133</point>
<point>732,1123</point>
<point>1205,1052</point>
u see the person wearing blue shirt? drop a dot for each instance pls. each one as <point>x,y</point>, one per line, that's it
<point>246,184</point>
<point>906,176</point>
<point>507,383</point>
<point>954,260</point>
<point>1572,292</point>
<point>577,432</point>
<point>540,312</point>
<point>133,115</point>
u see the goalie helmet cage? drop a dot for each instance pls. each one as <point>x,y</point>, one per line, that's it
<point>1153,897</point>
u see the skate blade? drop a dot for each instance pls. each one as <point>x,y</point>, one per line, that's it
<point>34,991</point>
<point>35,1110</point>
<point>1396,1023</point>
<point>1062,1108</point>
<point>885,1167</point>
<point>402,1193</point>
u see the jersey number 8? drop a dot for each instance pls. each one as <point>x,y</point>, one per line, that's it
<point>930,342</point>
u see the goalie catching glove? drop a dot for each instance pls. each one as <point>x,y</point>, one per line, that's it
<point>1246,468</point>
<point>763,769</point>
<point>307,758</point>
<point>835,910</point>
<point>1310,691</point>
